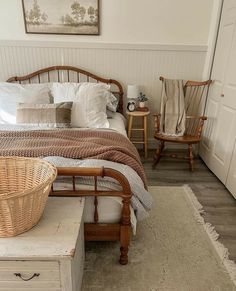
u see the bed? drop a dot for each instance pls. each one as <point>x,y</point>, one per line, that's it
<point>115,194</point>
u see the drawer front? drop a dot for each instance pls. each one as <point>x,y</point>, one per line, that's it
<point>46,275</point>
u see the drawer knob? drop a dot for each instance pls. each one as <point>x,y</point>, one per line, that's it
<point>28,279</point>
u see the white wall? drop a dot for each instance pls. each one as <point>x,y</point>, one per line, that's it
<point>127,21</point>
<point>140,40</point>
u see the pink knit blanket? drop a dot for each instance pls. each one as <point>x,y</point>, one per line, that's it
<point>69,143</point>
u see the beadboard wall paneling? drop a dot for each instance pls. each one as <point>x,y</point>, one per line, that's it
<point>128,63</point>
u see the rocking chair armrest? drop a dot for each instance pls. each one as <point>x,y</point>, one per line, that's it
<point>195,125</point>
<point>196,117</point>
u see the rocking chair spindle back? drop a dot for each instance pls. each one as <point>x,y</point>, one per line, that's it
<point>194,92</point>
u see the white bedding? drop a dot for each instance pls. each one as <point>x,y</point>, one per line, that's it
<point>118,123</point>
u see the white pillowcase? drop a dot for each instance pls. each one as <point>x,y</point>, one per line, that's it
<point>90,106</point>
<point>64,92</point>
<point>89,102</point>
<point>13,93</point>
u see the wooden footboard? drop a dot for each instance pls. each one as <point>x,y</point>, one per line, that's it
<point>99,231</point>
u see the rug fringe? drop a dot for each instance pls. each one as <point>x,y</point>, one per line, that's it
<point>222,251</point>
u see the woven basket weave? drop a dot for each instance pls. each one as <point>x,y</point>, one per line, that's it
<point>25,184</point>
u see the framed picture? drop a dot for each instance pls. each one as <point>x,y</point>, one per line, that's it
<point>61,16</point>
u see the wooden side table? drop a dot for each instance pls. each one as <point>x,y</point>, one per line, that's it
<point>144,116</point>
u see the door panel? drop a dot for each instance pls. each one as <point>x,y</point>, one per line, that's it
<point>223,144</point>
<point>223,135</point>
<point>210,125</point>
<point>211,120</point>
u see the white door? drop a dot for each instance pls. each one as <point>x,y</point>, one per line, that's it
<point>219,135</point>
<point>230,104</point>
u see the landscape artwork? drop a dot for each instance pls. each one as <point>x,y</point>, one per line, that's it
<point>61,16</point>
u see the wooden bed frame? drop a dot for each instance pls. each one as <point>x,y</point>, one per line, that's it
<point>93,231</point>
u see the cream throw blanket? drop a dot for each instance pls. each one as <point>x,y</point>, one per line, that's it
<point>173,117</point>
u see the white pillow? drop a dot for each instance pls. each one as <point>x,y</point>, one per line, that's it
<point>89,102</point>
<point>12,93</point>
<point>64,92</point>
<point>89,108</point>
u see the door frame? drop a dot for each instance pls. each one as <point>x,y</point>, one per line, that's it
<point>212,40</point>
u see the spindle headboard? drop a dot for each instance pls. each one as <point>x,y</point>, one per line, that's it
<point>70,74</point>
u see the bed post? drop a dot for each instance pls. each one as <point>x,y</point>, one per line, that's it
<point>125,231</point>
<point>125,222</point>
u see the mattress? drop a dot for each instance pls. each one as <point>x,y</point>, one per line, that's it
<point>109,208</point>
<point>109,211</point>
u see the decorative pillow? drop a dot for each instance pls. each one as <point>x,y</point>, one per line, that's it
<point>89,107</point>
<point>112,102</point>
<point>46,115</point>
<point>89,102</point>
<point>12,93</point>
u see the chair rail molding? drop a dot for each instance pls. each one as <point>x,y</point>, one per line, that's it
<point>104,45</point>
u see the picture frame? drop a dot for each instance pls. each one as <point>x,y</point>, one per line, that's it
<point>67,17</point>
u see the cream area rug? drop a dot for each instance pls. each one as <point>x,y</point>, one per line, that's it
<point>173,250</point>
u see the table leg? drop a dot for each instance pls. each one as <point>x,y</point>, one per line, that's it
<point>130,123</point>
<point>145,137</point>
<point>143,133</point>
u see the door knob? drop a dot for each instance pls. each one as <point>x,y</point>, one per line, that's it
<point>222,95</point>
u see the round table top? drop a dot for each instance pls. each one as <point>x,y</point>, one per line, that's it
<point>138,113</point>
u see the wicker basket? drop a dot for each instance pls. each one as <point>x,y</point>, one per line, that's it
<point>25,184</point>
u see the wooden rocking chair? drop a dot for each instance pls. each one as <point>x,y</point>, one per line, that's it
<point>194,91</point>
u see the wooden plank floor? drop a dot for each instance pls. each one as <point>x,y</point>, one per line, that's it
<point>218,203</point>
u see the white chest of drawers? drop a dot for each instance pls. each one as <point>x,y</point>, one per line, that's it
<point>49,257</point>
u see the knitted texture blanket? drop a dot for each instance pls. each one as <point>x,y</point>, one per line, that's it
<point>69,143</point>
